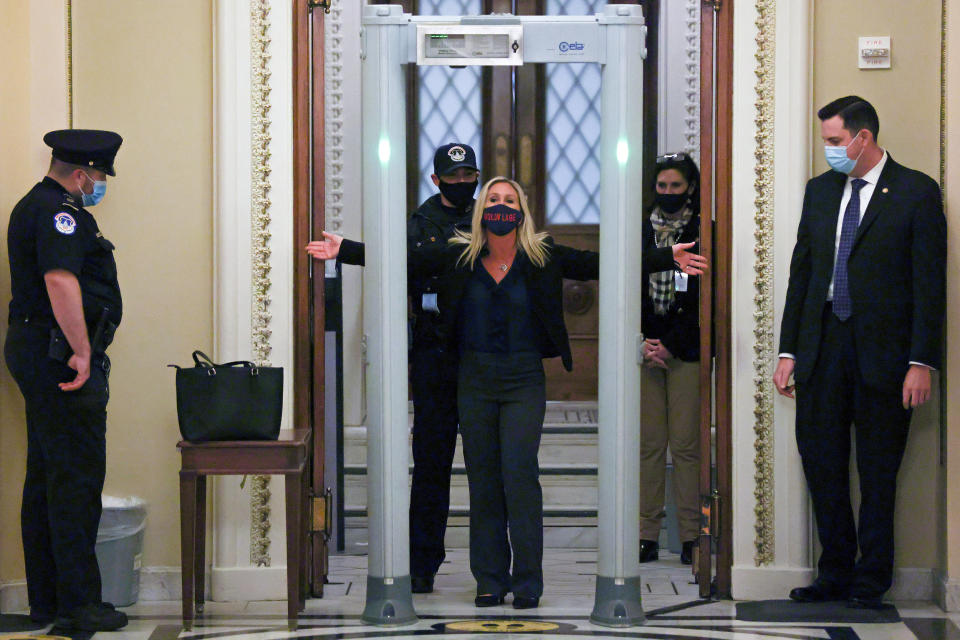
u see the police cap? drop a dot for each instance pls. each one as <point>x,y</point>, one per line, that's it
<point>85,147</point>
<point>452,156</point>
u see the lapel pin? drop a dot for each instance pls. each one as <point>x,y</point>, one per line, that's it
<point>885,190</point>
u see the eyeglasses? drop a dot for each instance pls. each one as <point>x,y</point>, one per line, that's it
<point>679,155</point>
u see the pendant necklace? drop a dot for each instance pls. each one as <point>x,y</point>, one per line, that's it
<point>503,267</point>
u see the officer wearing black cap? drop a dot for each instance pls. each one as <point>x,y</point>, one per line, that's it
<point>433,370</point>
<point>65,307</point>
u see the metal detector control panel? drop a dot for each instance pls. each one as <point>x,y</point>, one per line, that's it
<point>488,45</point>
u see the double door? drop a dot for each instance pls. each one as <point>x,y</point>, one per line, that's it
<point>538,124</point>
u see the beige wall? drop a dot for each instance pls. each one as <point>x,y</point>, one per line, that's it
<point>907,98</point>
<point>32,101</point>
<point>15,179</point>
<point>145,70</point>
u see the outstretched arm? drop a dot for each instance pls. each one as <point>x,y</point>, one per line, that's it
<point>680,257</point>
<point>334,246</point>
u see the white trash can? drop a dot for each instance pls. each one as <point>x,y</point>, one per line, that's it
<point>120,548</point>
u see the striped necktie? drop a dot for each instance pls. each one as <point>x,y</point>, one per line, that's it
<point>842,305</point>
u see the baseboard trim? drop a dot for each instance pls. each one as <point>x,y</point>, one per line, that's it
<point>235,584</point>
<point>909,583</point>
<point>749,582</point>
<point>162,583</point>
<point>13,596</point>
<point>913,583</point>
<point>166,584</point>
<point>947,593</point>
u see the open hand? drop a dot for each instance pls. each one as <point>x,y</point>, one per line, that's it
<point>326,249</point>
<point>690,263</point>
<point>82,366</point>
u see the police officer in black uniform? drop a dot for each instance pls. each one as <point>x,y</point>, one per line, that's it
<point>65,307</point>
<point>433,370</point>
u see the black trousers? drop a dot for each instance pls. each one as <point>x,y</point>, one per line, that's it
<point>433,381</point>
<point>834,397</point>
<point>502,403</point>
<point>66,464</point>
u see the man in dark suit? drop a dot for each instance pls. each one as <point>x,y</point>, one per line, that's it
<point>861,331</point>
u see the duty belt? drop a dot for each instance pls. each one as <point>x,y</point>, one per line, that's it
<point>100,333</point>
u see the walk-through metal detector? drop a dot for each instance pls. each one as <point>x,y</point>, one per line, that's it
<point>390,40</point>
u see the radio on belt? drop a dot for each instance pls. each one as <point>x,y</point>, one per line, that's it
<point>462,45</point>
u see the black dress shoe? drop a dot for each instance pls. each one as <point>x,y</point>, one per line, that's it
<point>686,552</point>
<point>421,584</point>
<point>649,550</point>
<point>99,616</point>
<point>525,602</point>
<point>488,599</point>
<point>818,592</point>
<point>866,602</point>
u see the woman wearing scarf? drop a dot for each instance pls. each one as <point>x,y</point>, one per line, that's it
<point>670,385</point>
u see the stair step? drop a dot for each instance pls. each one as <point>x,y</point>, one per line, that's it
<point>570,529</point>
<point>564,445</point>
<point>461,470</point>
<point>559,491</point>
<point>570,516</point>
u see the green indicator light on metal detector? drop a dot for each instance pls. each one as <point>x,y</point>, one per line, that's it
<point>384,150</point>
<point>623,151</point>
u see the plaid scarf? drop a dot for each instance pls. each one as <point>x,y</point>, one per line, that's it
<point>666,230</point>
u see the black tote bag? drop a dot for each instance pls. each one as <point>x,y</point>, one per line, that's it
<point>230,401</point>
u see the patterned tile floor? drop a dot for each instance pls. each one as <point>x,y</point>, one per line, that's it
<point>670,601</point>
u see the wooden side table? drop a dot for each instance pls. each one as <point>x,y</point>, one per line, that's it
<point>288,457</point>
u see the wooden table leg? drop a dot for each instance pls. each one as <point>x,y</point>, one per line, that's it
<point>200,542</point>
<point>188,528</point>
<point>294,483</point>
<point>305,526</point>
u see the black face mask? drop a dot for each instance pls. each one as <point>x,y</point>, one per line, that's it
<point>501,219</point>
<point>672,202</point>
<point>460,194</point>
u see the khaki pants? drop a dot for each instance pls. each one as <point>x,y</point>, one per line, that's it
<point>670,414</point>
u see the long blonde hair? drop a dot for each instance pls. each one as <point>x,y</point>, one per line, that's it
<point>529,240</point>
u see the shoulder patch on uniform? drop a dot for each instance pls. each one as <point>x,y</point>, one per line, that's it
<point>64,223</point>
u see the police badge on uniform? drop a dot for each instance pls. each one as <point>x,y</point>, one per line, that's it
<point>65,223</point>
<point>457,154</point>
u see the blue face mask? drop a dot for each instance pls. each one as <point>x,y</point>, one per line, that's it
<point>99,190</point>
<point>838,160</point>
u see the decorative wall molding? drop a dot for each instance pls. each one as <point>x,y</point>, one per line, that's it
<point>763,283</point>
<point>260,248</point>
<point>691,76</point>
<point>334,101</point>
<point>678,108</point>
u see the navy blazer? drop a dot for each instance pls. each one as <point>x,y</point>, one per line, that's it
<point>897,272</point>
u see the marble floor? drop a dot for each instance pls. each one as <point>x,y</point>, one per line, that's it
<point>670,600</point>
